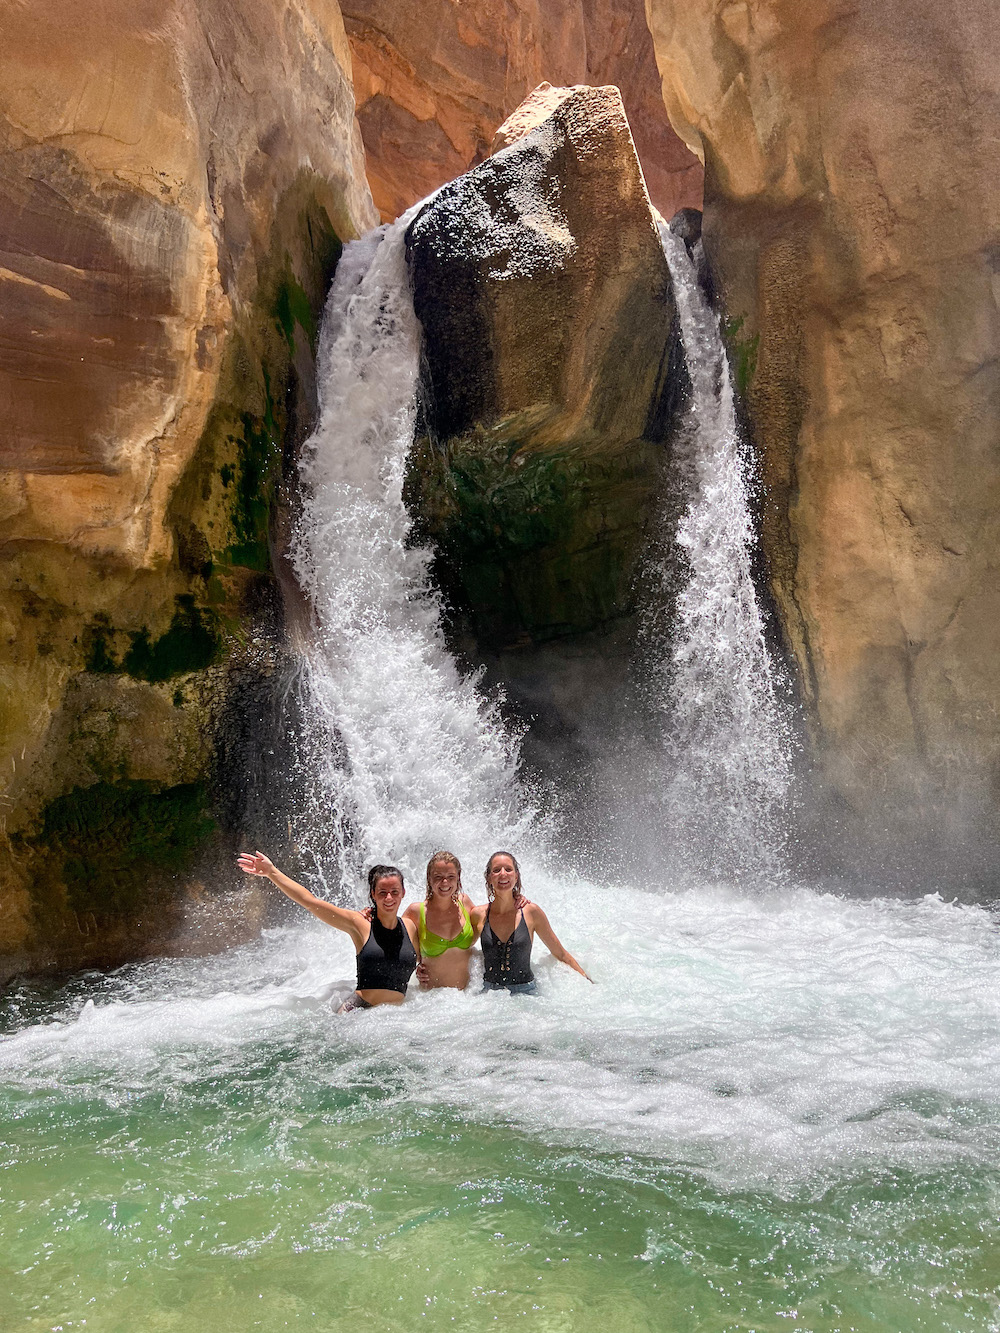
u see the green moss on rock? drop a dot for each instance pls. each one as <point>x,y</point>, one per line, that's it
<point>742,353</point>
<point>223,509</point>
<point>292,307</point>
<point>105,842</point>
<point>532,541</point>
<point>191,643</point>
<point>254,486</point>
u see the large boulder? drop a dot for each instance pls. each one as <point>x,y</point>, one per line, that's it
<point>852,217</point>
<point>176,180</point>
<point>545,301</point>
<point>435,78</point>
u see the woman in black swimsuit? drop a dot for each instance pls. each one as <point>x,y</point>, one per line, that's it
<point>509,929</point>
<point>386,945</point>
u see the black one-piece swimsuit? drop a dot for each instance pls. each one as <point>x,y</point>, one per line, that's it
<point>386,959</point>
<point>507,962</point>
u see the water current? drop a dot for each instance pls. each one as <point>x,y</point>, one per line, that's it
<point>727,775</point>
<point>419,756</point>
<point>772,1111</point>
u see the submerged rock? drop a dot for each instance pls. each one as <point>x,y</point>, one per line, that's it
<point>545,301</point>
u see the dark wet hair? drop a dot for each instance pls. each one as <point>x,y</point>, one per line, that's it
<point>450,859</point>
<point>518,891</point>
<point>384,872</point>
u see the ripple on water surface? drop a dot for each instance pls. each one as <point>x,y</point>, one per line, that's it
<point>767,1114</point>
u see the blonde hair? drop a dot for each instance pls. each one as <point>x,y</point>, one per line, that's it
<point>449,858</point>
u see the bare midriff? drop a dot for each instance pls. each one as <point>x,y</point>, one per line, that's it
<point>450,968</point>
<point>382,996</point>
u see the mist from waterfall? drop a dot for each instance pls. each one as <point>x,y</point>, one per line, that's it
<point>726,735</point>
<point>402,750</point>
<point>405,753</point>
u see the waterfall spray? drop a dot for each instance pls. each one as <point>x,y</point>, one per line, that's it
<point>410,756</point>
<point>727,736</point>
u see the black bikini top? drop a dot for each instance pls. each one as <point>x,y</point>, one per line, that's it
<point>508,962</point>
<point>386,959</point>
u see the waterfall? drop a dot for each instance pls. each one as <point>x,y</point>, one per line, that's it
<point>405,753</point>
<point>727,737</point>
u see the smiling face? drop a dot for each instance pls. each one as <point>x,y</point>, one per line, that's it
<point>443,878</point>
<point>501,874</point>
<point>387,894</point>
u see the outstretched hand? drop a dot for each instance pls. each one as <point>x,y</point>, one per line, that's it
<point>255,863</point>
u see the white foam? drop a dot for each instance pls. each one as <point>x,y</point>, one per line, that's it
<point>422,759</point>
<point>728,740</point>
<point>764,1043</point>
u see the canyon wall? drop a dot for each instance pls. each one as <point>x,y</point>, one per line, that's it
<point>434,80</point>
<point>177,179</point>
<point>177,182</point>
<point>853,222</point>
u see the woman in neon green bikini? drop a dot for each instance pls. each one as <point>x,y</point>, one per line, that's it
<point>448,925</point>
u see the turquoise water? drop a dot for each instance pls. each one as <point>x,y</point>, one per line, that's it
<point>766,1115</point>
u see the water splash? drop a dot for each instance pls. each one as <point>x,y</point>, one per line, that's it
<point>727,735</point>
<point>407,753</point>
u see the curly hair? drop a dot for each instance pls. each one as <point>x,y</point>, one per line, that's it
<point>450,859</point>
<point>519,897</point>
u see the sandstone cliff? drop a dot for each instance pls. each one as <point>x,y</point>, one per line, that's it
<point>434,80</point>
<point>177,179</point>
<point>853,218</point>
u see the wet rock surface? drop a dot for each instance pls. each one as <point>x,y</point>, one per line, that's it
<point>851,220</point>
<point>545,302</point>
<point>177,181</point>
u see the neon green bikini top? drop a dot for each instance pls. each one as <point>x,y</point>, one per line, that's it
<point>431,945</point>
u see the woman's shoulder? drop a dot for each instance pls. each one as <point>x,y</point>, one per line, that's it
<point>411,912</point>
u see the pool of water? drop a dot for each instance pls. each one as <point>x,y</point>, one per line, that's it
<point>768,1113</point>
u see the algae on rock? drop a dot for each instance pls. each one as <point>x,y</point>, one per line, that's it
<point>195,227</point>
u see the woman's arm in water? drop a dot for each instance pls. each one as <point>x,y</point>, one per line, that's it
<point>539,923</point>
<point>341,918</point>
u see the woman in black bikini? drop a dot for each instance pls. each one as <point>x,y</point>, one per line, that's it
<point>509,930</point>
<point>386,945</point>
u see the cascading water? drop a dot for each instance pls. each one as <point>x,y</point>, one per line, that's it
<point>771,1112</point>
<point>420,758</point>
<point>728,740</point>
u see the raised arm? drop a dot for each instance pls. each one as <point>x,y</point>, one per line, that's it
<point>539,923</point>
<point>341,918</point>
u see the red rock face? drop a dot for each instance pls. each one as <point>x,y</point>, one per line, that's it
<point>434,79</point>
<point>172,175</point>
<point>852,216</point>
<point>85,319</point>
<point>620,51</point>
